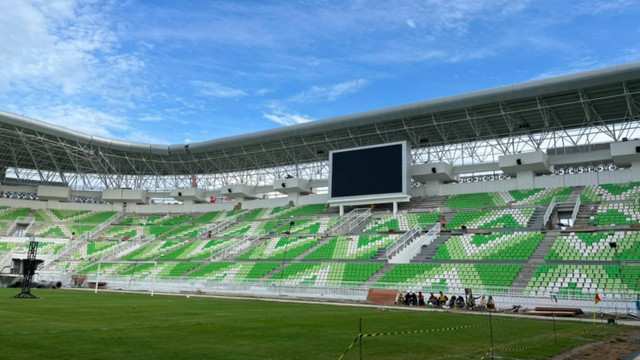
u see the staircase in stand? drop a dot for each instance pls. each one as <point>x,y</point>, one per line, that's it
<point>377,276</point>
<point>427,252</point>
<point>410,244</point>
<point>350,221</point>
<point>535,261</point>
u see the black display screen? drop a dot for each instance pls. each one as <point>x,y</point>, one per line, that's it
<point>368,171</point>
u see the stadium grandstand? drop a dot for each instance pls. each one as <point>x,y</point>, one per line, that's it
<point>527,192</point>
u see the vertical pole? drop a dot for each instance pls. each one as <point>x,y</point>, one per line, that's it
<point>98,277</point>
<point>491,334</point>
<point>360,338</point>
<point>395,208</point>
<point>341,210</point>
<point>555,332</point>
<point>153,279</point>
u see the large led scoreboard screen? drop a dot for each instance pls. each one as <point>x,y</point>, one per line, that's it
<point>369,172</point>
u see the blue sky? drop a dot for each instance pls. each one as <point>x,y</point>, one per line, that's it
<point>187,71</point>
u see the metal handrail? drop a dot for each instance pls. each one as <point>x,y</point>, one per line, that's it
<point>354,218</point>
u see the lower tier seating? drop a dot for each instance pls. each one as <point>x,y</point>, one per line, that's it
<point>595,247</point>
<point>490,278</point>
<point>353,247</point>
<point>281,248</point>
<point>199,249</point>
<point>584,281</point>
<point>326,274</point>
<point>154,250</point>
<point>234,271</point>
<point>495,246</point>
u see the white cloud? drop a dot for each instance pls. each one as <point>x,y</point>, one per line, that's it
<point>63,45</point>
<point>330,92</point>
<point>216,90</point>
<point>91,122</point>
<point>283,116</point>
<point>411,23</point>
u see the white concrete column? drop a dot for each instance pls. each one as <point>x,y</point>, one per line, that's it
<point>341,210</point>
<point>395,208</point>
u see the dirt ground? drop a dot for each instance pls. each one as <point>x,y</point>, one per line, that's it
<point>618,347</point>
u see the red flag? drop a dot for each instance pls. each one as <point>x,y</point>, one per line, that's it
<point>597,298</point>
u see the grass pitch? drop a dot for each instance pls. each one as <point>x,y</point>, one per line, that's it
<point>83,325</point>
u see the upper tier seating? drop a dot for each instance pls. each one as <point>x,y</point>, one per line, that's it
<point>166,220</point>
<point>616,214</point>
<point>285,212</point>
<point>402,222</point>
<point>281,248</point>
<point>13,213</point>
<point>495,246</point>
<point>353,247</point>
<point>611,192</point>
<point>64,230</point>
<point>209,217</point>
<point>583,281</point>
<point>492,219</point>
<point>231,272</point>
<point>254,228</point>
<point>494,279</point>
<point>595,246</point>
<point>184,232</point>
<point>73,216</point>
<point>312,226</point>
<point>538,196</point>
<point>326,274</point>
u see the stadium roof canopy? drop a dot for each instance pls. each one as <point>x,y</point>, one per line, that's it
<point>595,98</point>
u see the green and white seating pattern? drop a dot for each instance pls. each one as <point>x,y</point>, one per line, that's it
<point>119,232</point>
<point>63,230</point>
<point>167,220</point>
<point>200,249</point>
<point>451,277</point>
<point>492,219</point>
<point>616,214</point>
<point>353,247</point>
<point>325,274</point>
<point>253,228</point>
<point>208,217</point>
<point>286,212</point>
<point>402,222</point>
<point>595,246</point>
<point>141,271</point>
<point>73,216</point>
<point>7,246</point>
<point>13,213</point>
<point>281,248</point>
<point>234,272</point>
<point>154,250</point>
<point>185,232</point>
<point>537,196</point>
<point>497,246</point>
<point>584,281</point>
<point>611,192</point>
<point>479,200</point>
<point>313,226</point>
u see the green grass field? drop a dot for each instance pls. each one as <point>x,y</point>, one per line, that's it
<point>82,325</point>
